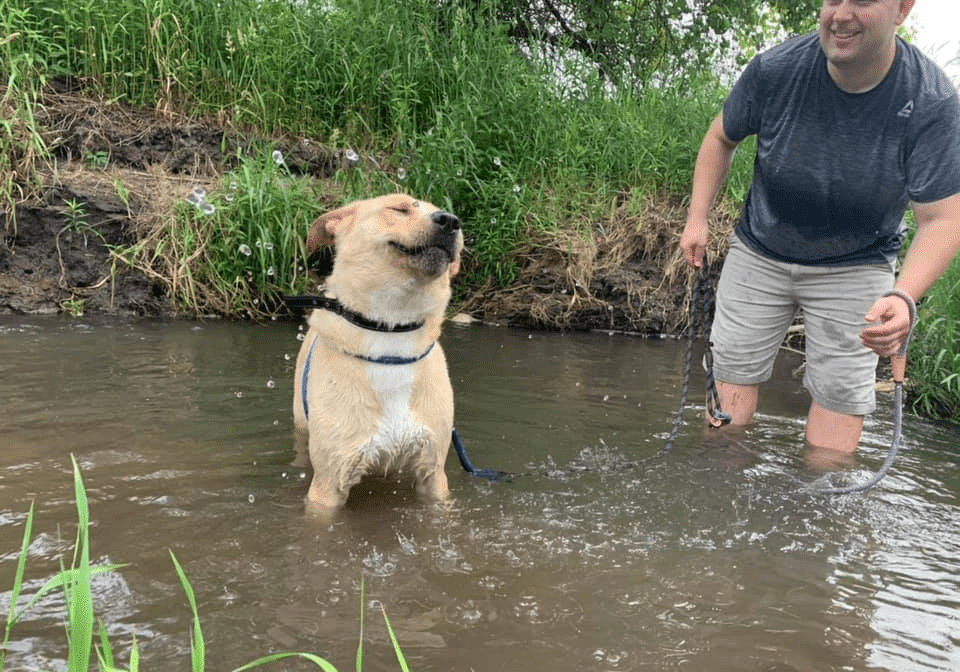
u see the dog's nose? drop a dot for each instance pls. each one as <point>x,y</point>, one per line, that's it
<point>445,221</point>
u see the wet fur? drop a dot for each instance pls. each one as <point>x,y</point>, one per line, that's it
<point>392,264</point>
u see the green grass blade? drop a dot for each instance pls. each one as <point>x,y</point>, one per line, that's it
<point>359,662</point>
<point>396,644</point>
<point>63,580</point>
<point>197,647</point>
<point>80,596</point>
<point>104,652</point>
<point>17,583</point>
<point>316,660</point>
<point>134,656</point>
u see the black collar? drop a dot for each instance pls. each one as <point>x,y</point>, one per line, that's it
<point>353,317</point>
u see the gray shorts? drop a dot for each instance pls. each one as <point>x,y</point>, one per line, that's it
<point>757,300</point>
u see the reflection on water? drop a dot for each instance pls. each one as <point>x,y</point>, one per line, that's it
<point>601,554</point>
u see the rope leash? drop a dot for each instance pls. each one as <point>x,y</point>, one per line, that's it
<point>898,363</point>
<point>699,293</point>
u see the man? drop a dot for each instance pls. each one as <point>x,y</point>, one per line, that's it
<point>852,124</point>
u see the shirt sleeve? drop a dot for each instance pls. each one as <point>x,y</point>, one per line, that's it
<point>933,153</point>
<point>742,109</point>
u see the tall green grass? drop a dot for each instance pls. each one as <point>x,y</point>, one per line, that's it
<point>23,71</point>
<point>239,248</point>
<point>934,357</point>
<point>433,90</point>
<point>87,636</point>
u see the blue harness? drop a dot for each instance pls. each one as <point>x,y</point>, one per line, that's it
<point>389,360</point>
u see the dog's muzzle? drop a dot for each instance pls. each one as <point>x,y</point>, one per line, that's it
<point>440,247</point>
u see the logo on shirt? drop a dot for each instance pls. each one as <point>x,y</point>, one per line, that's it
<point>906,110</point>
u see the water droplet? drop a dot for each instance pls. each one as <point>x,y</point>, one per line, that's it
<point>239,395</point>
<point>497,162</point>
<point>245,250</point>
<point>401,174</point>
<point>199,193</point>
<point>251,498</point>
<point>228,198</point>
<point>271,272</point>
<point>351,156</point>
<point>516,188</point>
<point>277,157</point>
<point>286,356</point>
<point>207,208</point>
<point>268,246</point>
<point>300,337</point>
<point>271,384</point>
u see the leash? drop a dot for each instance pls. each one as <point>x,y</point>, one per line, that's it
<point>699,294</point>
<point>898,363</point>
<point>326,303</point>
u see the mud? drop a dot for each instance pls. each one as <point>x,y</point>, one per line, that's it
<point>622,274</point>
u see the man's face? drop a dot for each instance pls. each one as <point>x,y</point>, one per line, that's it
<point>860,32</point>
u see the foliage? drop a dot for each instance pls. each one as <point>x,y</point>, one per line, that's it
<point>633,43</point>
<point>76,584</point>
<point>933,362</point>
<point>239,248</point>
<point>22,68</point>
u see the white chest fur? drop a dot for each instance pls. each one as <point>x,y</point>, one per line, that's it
<point>398,432</point>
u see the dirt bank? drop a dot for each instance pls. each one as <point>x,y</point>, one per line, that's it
<point>115,168</point>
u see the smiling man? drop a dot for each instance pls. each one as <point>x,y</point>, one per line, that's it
<point>853,125</point>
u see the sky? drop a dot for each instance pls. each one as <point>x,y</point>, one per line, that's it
<point>937,25</point>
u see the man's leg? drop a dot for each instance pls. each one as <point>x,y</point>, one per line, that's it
<point>831,430</point>
<point>840,372</point>
<point>754,308</point>
<point>738,401</point>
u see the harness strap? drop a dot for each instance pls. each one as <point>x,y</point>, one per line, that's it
<point>389,360</point>
<point>305,377</point>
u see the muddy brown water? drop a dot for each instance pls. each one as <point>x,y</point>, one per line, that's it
<point>599,555</point>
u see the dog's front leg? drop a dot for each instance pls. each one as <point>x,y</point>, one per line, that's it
<point>433,486</point>
<point>324,492</point>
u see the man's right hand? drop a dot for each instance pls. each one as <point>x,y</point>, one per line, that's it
<point>693,241</point>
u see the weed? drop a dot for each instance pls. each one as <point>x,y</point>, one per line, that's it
<point>75,582</point>
<point>98,159</point>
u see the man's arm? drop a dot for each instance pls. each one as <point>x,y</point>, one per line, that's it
<point>934,246</point>
<point>713,163</point>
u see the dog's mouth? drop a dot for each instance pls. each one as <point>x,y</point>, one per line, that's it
<point>436,248</point>
<point>444,249</point>
<point>432,258</point>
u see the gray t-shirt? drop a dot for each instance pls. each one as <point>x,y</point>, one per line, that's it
<point>835,171</point>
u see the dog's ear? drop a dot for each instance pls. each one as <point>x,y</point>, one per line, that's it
<point>324,228</point>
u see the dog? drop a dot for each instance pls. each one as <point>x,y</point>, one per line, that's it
<point>372,393</point>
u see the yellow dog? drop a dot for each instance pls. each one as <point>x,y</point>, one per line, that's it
<point>372,394</point>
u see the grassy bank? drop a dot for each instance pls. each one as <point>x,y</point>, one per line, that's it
<point>419,96</point>
<point>440,99</point>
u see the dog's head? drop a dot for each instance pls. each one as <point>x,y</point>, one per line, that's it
<point>394,234</point>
